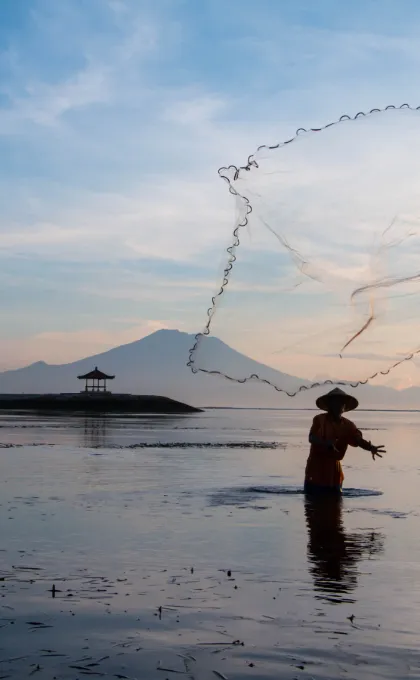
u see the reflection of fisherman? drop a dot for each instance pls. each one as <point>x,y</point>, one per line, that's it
<point>329,437</point>
<point>332,552</point>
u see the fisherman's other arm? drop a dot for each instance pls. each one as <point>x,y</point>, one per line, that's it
<point>328,445</point>
<point>368,446</point>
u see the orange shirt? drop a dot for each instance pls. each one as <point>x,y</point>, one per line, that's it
<point>323,466</point>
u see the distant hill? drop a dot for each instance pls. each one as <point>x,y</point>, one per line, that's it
<point>156,364</point>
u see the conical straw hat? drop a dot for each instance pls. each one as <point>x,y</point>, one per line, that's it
<point>350,403</point>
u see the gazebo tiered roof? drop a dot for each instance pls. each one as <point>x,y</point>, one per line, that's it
<point>98,380</point>
<point>96,374</point>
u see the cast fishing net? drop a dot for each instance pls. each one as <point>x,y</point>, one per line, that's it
<point>322,276</point>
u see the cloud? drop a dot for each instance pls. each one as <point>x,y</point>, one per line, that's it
<point>99,67</point>
<point>47,104</point>
<point>195,111</point>
<point>176,219</point>
<point>46,234</point>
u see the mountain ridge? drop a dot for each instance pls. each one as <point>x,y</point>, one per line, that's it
<point>157,364</point>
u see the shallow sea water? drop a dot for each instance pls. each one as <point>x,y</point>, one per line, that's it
<point>184,546</point>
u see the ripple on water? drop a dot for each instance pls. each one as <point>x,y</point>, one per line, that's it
<point>244,495</point>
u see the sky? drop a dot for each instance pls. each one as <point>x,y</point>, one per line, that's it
<point>115,116</point>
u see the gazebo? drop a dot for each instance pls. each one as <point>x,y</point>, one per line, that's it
<point>95,380</point>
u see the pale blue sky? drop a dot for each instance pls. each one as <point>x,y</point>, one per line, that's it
<point>114,118</point>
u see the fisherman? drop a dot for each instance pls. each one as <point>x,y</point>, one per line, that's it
<point>329,437</point>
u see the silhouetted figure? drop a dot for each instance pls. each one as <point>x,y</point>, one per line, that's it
<point>333,553</point>
<point>330,436</point>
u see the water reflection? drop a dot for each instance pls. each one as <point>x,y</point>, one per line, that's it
<point>126,430</point>
<point>333,552</point>
<point>95,432</point>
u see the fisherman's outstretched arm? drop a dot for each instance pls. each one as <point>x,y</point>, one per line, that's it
<point>368,446</point>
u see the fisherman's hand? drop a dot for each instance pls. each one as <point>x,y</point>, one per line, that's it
<point>377,451</point>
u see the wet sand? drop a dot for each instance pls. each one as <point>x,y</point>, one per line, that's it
<point>183,547</point>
